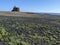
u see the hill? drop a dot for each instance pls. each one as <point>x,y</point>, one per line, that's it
<point>26,28</point>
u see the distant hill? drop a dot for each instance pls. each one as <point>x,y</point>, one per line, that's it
<point>31,14</point>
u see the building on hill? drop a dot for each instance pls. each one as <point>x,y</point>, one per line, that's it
<point>15,9</point>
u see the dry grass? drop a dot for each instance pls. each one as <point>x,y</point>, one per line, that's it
<point>25,14</point>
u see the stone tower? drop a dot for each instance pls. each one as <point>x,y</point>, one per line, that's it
<point>15,9</point>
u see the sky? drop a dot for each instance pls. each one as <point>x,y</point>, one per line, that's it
<point>46,6</point>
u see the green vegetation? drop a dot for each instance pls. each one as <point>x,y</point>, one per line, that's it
<point>29,31</point>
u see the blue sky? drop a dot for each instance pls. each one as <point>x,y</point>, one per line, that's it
<point>48,6</point>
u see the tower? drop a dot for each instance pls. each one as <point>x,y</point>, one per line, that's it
<point>15,9</point>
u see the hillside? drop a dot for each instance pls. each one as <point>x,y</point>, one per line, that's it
<point>28,14</point>
<point>20,28</point>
